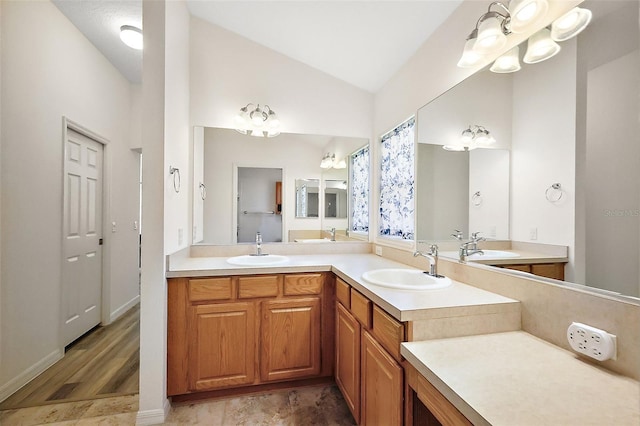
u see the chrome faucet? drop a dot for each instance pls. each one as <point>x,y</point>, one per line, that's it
<point>332,232</point>
<point>457,234</point>
<point>470,247</point>
<point>432,256</point>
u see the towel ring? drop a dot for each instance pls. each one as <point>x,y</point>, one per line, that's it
<point>203,191</point>
<point>175,172</point>
<point>476,199</point>
<point>554,193</point>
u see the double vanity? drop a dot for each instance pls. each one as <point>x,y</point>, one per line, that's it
<point>448,351</point>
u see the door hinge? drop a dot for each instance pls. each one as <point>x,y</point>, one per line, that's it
<point>100,242</point>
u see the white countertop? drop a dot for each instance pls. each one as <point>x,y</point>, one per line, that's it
<point>515,378</point>
<point>405,305</point>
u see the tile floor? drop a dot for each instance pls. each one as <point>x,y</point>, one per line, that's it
<point>319,405</point>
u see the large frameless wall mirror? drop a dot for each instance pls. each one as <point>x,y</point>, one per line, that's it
<point>571,120</point>
<point>462,184</point>
<point>225,165</point>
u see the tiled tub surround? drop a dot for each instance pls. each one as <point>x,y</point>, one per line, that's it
<point>515,378</point>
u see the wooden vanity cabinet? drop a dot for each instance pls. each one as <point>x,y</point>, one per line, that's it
<point>426,406</point>
<point>367,366</point>
<point>229,332</point>
<point>548,270</point>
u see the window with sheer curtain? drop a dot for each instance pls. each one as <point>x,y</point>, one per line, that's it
<point>360,190</point>
<point>397,181</point>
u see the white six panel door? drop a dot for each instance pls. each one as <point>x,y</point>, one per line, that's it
<point>82,232</point>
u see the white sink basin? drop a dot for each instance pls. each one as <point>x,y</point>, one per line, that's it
<point>488,255</point>
<point>405,279</point>
<point>313,240</point>
<point>251,260</point>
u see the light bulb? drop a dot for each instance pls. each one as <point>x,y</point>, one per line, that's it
<point>540,47</point>
<point>509,62</point>
<point>570,24</point>
<point>490,36</point>
<point>526,14</point>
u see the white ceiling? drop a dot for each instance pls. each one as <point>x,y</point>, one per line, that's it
<point>361,42</point>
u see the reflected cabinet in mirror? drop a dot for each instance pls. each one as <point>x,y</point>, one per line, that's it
<point>572,169</point>
<point>244,184</point>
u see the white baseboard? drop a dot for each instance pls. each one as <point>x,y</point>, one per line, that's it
<point>123,309</point>
<point>153,417</point>
<point>13,385</point>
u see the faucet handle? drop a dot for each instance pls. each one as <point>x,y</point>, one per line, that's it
<point>457,234</point>
<point>433,250</point>
<point>474,237</point>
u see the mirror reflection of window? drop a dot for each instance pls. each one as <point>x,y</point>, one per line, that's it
<point>359,180</point>
<point>397,181</point>
<point>307,198</point>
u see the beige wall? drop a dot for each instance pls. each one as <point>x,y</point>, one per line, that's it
<point>49,71</point>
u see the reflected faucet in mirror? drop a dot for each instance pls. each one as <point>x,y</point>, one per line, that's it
<point>471,247</point>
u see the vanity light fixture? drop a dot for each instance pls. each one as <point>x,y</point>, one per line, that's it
<point>329,162</point>
<point>131,36</point>
<point>472,137</point>
<point>257,121</point>
<point>570,24</point>
<point>540,47</point>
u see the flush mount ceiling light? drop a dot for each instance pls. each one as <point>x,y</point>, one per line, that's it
<point>509,62</point>
<point>472,137</point>
<point>526,14</point>
<point>131,36</point>
<point>570,24</point>
<point>540,47</point>
<point>257,121</point>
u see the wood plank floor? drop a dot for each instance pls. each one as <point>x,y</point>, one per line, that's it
<point>103,363</point>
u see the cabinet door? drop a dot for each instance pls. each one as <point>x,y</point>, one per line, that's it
<point>382,389</point>
<point>290,346</point>
<point>348,359</point>
<point>222,345</point>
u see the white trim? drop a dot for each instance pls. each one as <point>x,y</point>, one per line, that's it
<point>22,379</point>
<point>123,309</point>
<point>154,417</point>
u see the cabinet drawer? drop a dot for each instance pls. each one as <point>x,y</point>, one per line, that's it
<point>302,284</point>
<point>262,286</point>
<point>342,293</point>
<point>549,270</point>
<point>388,331</point>
<point>361,308</point>
<point>210,289</point>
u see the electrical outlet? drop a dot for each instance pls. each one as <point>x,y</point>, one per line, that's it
<point>533,234</point>
<point>492,231</point>
<point>591,341</point>
<point>180,236</point>
<point>114,227</point>
<point>379,250</point>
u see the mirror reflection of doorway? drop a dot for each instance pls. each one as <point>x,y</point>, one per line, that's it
<point>258,204</point>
